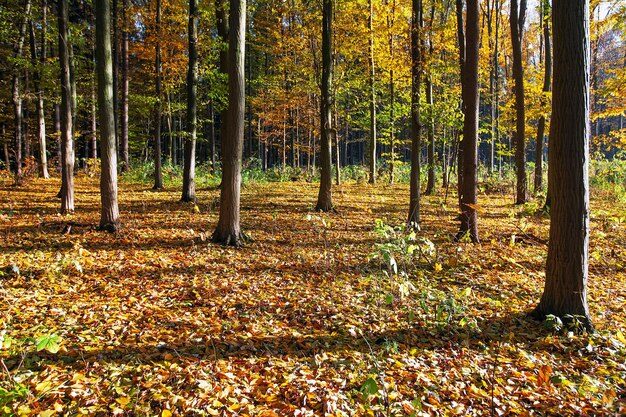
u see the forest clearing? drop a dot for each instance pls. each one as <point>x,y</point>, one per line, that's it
<point>301,321</point>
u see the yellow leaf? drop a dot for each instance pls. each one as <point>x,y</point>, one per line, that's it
<point>123,401</point>
<point>166,413</point>
<point>47,413</point>
<point>620,336</point>
<point>43,386</point>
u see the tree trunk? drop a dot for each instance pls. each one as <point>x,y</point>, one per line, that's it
<point>41,119</point>
<point>94,120</point>
<point>517,19</point>
<point>124,92</point>
<point>416,123</point>
<point>547,87</point>
<point>67,147</point>
<point>158,175</point>
<point>469,87</point>
<point>565,291</point>
<point>430,185</point>
<point>228,230</point>
<point>16,94</point>
<point>109,214</point>
<point>189,169</point>
<point>372,80</point>
<point>324,197</point>
<point>222,23</point>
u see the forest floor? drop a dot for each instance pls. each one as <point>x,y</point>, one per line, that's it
<point>155,320</point>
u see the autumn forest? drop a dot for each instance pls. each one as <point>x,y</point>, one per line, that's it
<point>312,208</point>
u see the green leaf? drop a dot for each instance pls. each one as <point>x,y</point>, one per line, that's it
<point>369,387</point>
<point>51,343</point>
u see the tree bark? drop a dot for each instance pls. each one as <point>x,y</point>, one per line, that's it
<point>16,94</point>
<point>189,169</point>
<point>39,65</point>
<point>469,87</point>
<point>324,197</point>
<point>158,175</point>
<point>228,230</point>
<point>547,87</point>
<point>565,291</point>
<point>66,110</point>
<point>517,19</point>
<point>416,123</point>
<point>372,92</point>
<point>109,213</point>
<point>124,102</point>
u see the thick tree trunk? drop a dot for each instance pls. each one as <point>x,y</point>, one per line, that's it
<point>158,175</point>
<point>547,87</point>
<point>228,230</point>
<point>324,197</point>
<point>372,92</point>
<point>67,147</point>
<point>416,123</point>
<point>41,119</point>
<point>109,214</point>
<point>222,23</point>
<point>124,101</point>
<point>469,87</point>
<point>189,169</point>
<point>517,19</point>
<point>565,291</point>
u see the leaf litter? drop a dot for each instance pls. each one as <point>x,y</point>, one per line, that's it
<point>155,320</point>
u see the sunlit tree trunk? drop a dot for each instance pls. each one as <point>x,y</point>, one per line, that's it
<point>372,92</point>
<point>324,198</point>
<point>158,175</point>
<point>517,19</point>
<point>228,230</point>
<point>67,148</point>
<point>416,123</point>
<point>15,91</point>
<point>41,119</point>
<point>469,87</point>
<point>109,213</point>
<point>565,291</point>
<point>124,91</point>
<point>189,170</point>
<point>547,87</point>
<point>222,23</point>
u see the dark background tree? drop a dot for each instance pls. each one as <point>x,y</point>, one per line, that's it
<point>547,87</point>
<point>565,291</point>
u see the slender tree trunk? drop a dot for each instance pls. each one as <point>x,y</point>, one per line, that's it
<point>228,230</point>
<point>41,119</point>
<point>5,147</point>
<point>189,170</point>
<point>430,186</point>
<point>94,119</point>
<point>324,198</point>
<point>57,134</point>
<point>212,135</point>
<point>459,143</point>
<point>67,147</point>
<point>335,133</point>
<point>124,92</point>
<point>517,19</point>
<point>469,87</point>
<point>547,87</point>
<point>372,86</point>
<point>16,94</point>
<point>158,175</point>
<point>565,291</point>
<point>109,214</point>
<point>416,123</point>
